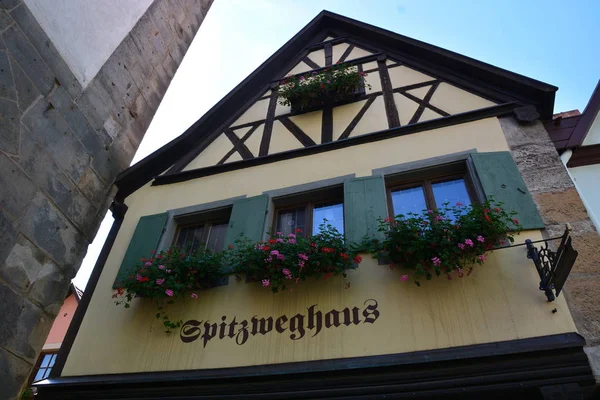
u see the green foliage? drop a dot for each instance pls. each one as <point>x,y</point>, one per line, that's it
<point>336,83</point>
<point>282,261</point>
<point>169,275</point>
<point>449,240</point>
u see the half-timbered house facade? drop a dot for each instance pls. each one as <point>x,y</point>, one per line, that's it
<point>431,126</point>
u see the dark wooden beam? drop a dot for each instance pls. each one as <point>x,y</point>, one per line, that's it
<point>417,115</point>
<point>388,95</point>
<point>311,63</point>
<point>238,145</point>
<point>266,138</point>
<point>327,125</point>
<point>357,118</point>
<point>328,54</point>
<point>243,139</point>
<point>346,54</point>
<point>297,132</point>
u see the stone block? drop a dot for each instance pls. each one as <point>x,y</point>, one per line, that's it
<point>27,93</point>
<point>7,85</point>
<point>587,245</point>
<point>50,230</point>
<point>161,22</point>
<point>47,127</point>
<point>109,163</point>
<point>5,20</point>
<point>152,33</point>
<point>536,157</point>
<point>118,82</point>
<point>547,180</point>
<point>23,264</point>
<point>93,142</point>
<point>143,114</point>
<point>578,228</point>
<point>560,207</point>
<point>13,372</point>
<point>177,52</point>
<point>44,46</point>
<point>92,187</point>
<point>9,4</point>
<point>93,106</point>
<point>50,287</point>
<point>582,294</point>
<point>522,134</point>
<point>10,130</point>
<point>8,237</point>
<point>17,189</point>
<point>151,90</point>
<point>29,59</point>
<point>24,326</point>
<point>144,44</point>
<point>170,66</point>
<point>593,354</point>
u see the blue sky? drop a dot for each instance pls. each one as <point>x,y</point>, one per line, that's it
<point>552,41</point>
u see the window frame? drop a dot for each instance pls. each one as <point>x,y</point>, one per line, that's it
<point>310,200</point>
<point>38,366</point>
<point>425,177</point>
<point>205,218</point>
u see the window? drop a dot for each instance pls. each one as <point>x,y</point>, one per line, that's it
<point>45,364</point>
<point>308,210</point>
<point>430,189</point>
<point>204,230</point>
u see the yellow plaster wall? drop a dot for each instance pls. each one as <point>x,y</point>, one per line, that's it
<point>404,76</point>
<point>375,119</point>
<point>310,123</point>
<point>499,301</point>
<point>318,57</point>
<point>256,112</point>
<point>212,154</point>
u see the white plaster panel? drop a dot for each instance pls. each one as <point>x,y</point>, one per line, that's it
<point>370,65</point>
<point>318,57</point>
<point>374,80</point>
<point>212,154</point>
<point>406,108</point>
<point>253,142</point>
<point>586,178</point>
<point>374,120</point>
<point>235,156</point>
<point>419,92</point>
<point>343,115</point>
<point>299,68</point>
<point>337,51</point>
<point>429,114</point>
<point>282,139</point>
<point>257,112</point>
<point>454,100</point>
<point>593,136</point>
<point>86,32</point>
<point>310,123</point>
<point>403,76</point>
<point>357,53</point>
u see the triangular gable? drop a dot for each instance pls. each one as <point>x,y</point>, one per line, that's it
<point>411,61</point>
<point>396,87</point>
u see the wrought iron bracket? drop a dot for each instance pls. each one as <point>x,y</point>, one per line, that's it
<point>553,267</point>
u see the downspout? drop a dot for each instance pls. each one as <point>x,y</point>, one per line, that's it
<point>565,157</point>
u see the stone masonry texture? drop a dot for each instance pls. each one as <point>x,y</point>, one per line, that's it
<point>61,147</point>
<point>559,203</point>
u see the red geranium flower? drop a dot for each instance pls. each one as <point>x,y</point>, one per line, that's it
<point>516,221</point>
<point>358,259</point>
<point>298,230</point>
<point>272,241</point>
<point>344,256</point>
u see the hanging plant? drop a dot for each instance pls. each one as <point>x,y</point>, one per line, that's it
<point>284,261</point>
<point>170,275</point>
<point>448,241</point>
<point>335,84</point>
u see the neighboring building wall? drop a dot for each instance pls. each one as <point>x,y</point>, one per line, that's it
<point>63,139</point>
<point>61,324</point>
<point>593,135</point>
<point>560,203</point>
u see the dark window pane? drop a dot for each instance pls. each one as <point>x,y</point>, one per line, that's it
<point>333,213</point>
<point>216,237</point>
<point>452,192</point>
<point>409,200</point>
<point>290,220</point>
<point>191,238</point>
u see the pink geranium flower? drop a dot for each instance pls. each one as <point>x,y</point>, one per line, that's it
<point>436,261</point>
<point>266,282</point>
<point>194,296</point>
<point>148,263</point>
<point>481,257</point>
<point>469,242</point>
<point>292,241</point>
<point>461,246</point>
<point>303,256</point>
<point>161,267</point>
<point>169,292</point>
<point>404,278</point>
<point>480,239</point>
<point>160,281</point>
<point>138,277</point>
<point>286,271</point>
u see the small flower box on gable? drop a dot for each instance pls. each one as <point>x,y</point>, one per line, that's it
<point>335,85</point>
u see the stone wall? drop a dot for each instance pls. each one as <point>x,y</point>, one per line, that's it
<point>559,203</point>
<point>61,147</point>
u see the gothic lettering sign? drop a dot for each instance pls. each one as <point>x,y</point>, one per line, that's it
<point>297,326</point>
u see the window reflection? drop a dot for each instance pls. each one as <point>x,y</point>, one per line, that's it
<point>451,192</point>
<point>409,200</point>
<point>333,213</point>
<point>290,220</point>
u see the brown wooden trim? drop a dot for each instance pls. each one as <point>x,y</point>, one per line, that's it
<point>404,92</point>
<point>493,111</point>
<point>388,95</point>
<point>320,45</point>
<point>508,369</point>
<point>297,132</point>
<point>310,62</point>
<point>585,155</point>
<point>118,212</point>
<point>357,118</point>
<point>243,139</point>
<point>327,125</point>
<point>350,63</point>
<point>266,138</point>
<point>238,144</point>
<point>372,70</point>
<point>414,86</point>
<point>345,54</point>
<point>587,118</point>
<point>398,64</point>
<point>417,115</point>
<point>247,124</point>
<point>328,54</point>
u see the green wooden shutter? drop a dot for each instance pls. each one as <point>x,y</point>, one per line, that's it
<point>500,178</point>
<point>364,202</point>
<point>248,219</point>
<point>145,239</point>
